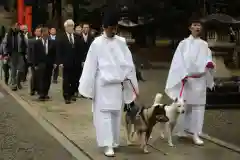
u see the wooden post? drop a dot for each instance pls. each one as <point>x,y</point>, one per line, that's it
<point>20,11</point>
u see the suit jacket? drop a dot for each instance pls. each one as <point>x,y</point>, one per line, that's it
<point>20,47</point>
<point>86,44</point>
<point>40,56</point>
<point>30,49</point>
<point>67,54</point>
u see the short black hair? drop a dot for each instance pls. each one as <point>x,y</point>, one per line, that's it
<point>195,18</point>
<point>38,27</point>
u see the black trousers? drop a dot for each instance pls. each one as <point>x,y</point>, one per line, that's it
<point>44,75</point>
<point>33,80</point>
<point>6,70</point>
<point>69,82</point>
<point>78,70</point>
<point>55,73</point>
<point>26,66</point>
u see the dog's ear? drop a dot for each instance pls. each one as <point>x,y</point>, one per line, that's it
<point>164,105</point>
<point>161,106</point>
<point>176,99</point>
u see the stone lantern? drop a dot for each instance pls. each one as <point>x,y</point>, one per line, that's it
<point>222,41</point>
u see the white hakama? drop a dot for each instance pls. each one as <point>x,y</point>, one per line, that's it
<point>107,67</point>
<point>190,60</point>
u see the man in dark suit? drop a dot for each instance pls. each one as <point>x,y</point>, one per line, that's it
<point>53,36</point>
<point>28,36</point>
<point>87,38</point>
<point>30,54</point>
<point>44,62</point>
<point>70,58</point>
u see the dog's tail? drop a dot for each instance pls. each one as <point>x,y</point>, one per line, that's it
<point>158,99</point>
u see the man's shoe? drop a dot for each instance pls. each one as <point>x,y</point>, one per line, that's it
<point>41,98</point>
<point>74,99</point>
<point>32,93</point>
<point>67,102</point>
<point>47,97</point>
<point>19,86</point>
<point>14,88</point>
<point>197,140</point>
<point>109,152</point>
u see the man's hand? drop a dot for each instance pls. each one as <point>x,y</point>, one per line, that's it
<point>36,67</point>
<point>184,80</point>
<point>210,65</point>
<point>61,65</point>
<point>5,57</point>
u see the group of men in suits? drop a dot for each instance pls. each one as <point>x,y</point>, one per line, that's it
<point>49,53</point>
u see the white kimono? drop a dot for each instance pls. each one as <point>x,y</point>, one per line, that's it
<point>109,78</point>
<point>190,60</point>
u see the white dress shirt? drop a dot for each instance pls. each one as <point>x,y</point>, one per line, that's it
<point>85,36</point>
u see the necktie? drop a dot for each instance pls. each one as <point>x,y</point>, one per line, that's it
<point>45,45</point>
<point>70,38</point>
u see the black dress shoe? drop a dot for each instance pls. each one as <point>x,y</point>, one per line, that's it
<point>32,93</point>
<point>19,86</point>
<point>14,88</point>
<point>74,99</point>
<point>47,97</point>
<point>67,101</point>
<point>41,98</point>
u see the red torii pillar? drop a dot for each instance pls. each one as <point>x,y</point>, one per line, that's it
<point>28,17</point>
<point>20,11</point>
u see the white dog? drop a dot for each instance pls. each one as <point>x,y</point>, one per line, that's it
<point>172,112</point>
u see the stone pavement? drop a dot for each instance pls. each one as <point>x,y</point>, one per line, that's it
<point>75,122</point>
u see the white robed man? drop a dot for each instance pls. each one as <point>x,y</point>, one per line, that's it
<point>109,79</point>
<point>192,65</point>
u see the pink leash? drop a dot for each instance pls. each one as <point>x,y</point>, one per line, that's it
<point>134,90</point>
<point>183,84</point>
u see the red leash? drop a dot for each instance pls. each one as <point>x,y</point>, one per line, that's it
<point>134,90</point>
<point>183,83</point>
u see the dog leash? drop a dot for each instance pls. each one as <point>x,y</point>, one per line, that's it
<point>141,110</point>
<point>184,82</point>
<point>133,88</point>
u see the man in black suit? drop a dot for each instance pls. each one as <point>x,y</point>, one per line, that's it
<point>53,36</point>
<point>28,36</point>
<point>44,62</point>
<point>70,59</point>
<point>30,54</point>
<point>87,38</point>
